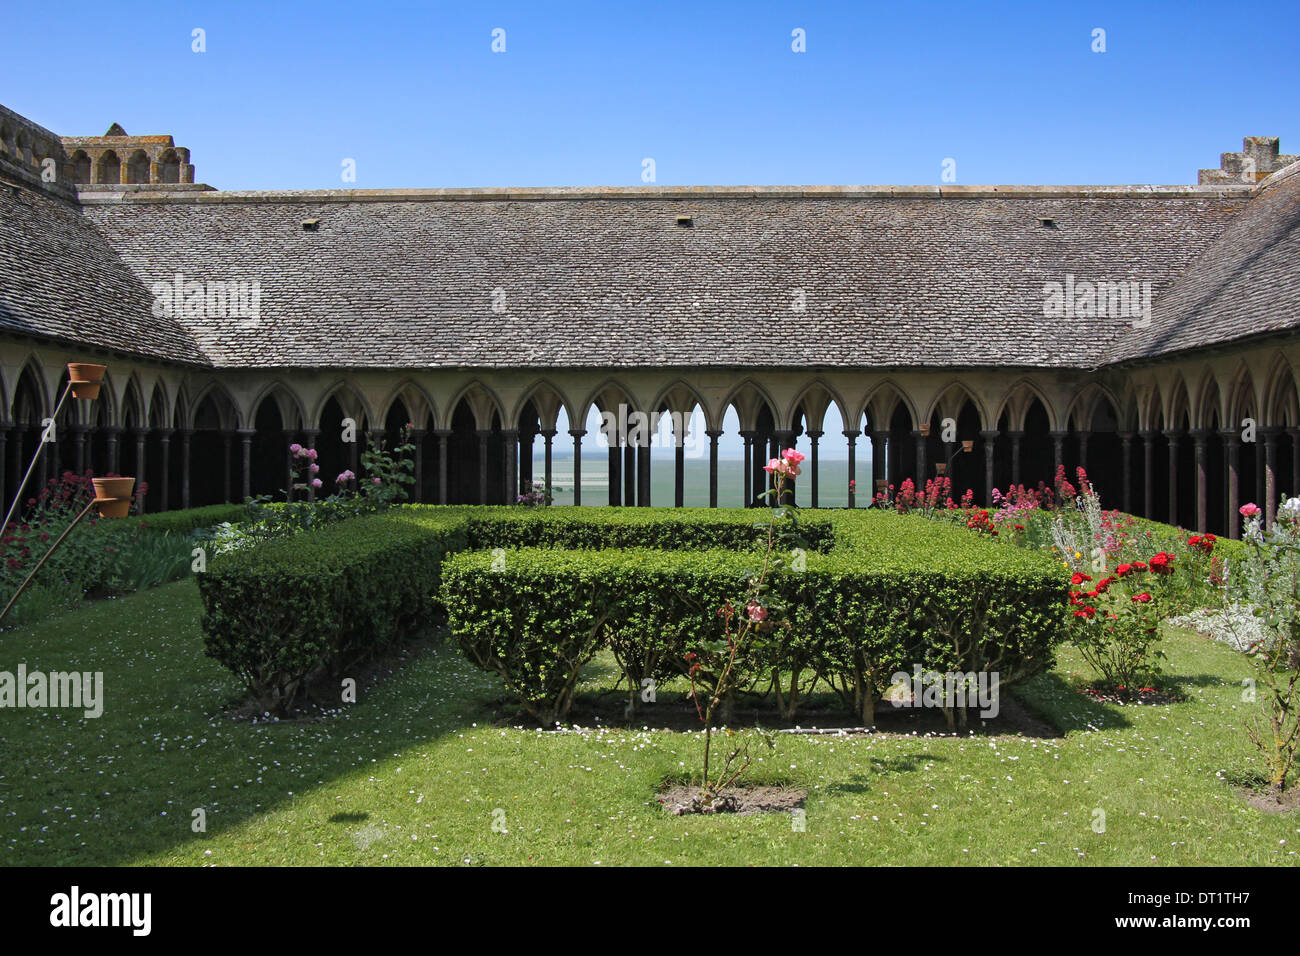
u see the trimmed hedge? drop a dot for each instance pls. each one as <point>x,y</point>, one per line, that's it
<point>173,522</point>
<point>281,611</point>
<point>587,528</point>
<point>898,592</point>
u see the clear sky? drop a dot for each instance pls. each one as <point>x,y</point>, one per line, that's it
<point>713,93</point>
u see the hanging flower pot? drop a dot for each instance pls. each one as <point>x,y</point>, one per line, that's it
<point>86,379</point>
<point>968,445</point>
<point>113,496</point>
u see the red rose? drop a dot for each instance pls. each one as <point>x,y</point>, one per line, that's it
<point>1143,598</point>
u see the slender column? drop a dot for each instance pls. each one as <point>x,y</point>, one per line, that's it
<point>226,437</point>
<point>990,437</point>
<point>1294,490</point>
<point>308,440</point>
<point>1201,477</point>
<point>186,434</point>
<point>813,478</point>
<point>111,435</point>
<point>1232,464</point>
<point>643,470</point>
<point>1126,449</point>
<point>1148,473</point>
<point>483,435</point>
<point>748,437</point>
<point>679,475</point>
<point>511,465</point>
<point>526,439</point>
<point>1016,437</point>
<point>443,434</point>
<point>714,434</point>
<point>577,434</point>
<point>629,473</point>
<point>79,447</point>
<point>879,459</point>
<point>165,441</point>
<point>1259,493</point>
<point>615,472</point>
<point>1173,437</point>
<point>416,437</point>
<point>1270,473</point>
<point>548,434</point>
<point>1058,452</point>
<point>852,435</point>
<point>246,458</point>
<point>1083,449</point>
<point>4,448</point>
<point>920,459</point>
<point>140,435</point>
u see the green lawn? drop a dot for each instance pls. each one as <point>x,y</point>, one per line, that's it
<point>412,773</point>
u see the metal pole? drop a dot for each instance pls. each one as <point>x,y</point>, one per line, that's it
<point>40,447</point>
<point>40,564</point>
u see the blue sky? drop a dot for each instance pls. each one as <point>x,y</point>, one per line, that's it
<point>712,92</point>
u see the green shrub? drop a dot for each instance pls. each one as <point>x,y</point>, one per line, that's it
<point>899,591</point>
<point>277,613</point>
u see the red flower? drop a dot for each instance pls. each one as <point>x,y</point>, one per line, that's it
<point>1143,598</point>
<point>1078,578</point>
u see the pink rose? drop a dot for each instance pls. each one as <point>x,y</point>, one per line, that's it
<point>775,465</point>
<point>378,481</point>
<point>295,448</point>
<point>757,613</point>
<point>1249,510</point>
<point>316,483</point>
<point>313,468</point>
<point>311,453</point>
<point>792,456</point>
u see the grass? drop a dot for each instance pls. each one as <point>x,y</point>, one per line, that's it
<point>412,773</point>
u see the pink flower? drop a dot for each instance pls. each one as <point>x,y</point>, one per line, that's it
<point>316,482</point>
<point>1249,510</point>
<point>792,456</point>
<point>311,453</point>
<point>757,613</point>
<point>295,448</point>
<point>379,481</point>
<point>776,465</point>
<point>344,477</point>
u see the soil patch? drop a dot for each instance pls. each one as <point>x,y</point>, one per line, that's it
<point>1269,801</point>
<point>1146,697</point>
<point>680,800</point>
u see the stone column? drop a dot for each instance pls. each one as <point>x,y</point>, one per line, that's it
<point>246,459</point>
<point>879,459</point>
<point>679,475</point>
<point>186,434</point>
<point>577,434</point>
<point>140,435</point>
<point>484,434</point>
<point>443,434</point>
<point>416,437</point>
<point>990,437</point>
<point>1126,486</point>
<point>1294,490</point>
<point>852,435</point>
<point>1173,437</point>
<point>1148,473</point>
<point>1201,478</point>
<point>1270,473</point>
<point>79,447</point>
<point>1016,477</point>
<point>309,436</point>
<point>226,437</point>
<point>629,473</point>
<point>615,472</point>
<point>548,434</point>
<point>4,448</point>
<point>1058,453</point>
<point>111,434</point>
<point>643,469</point>
<point>714,434</point>
<point>748,437</point>
<point>511,464</point>
<point>1232,465</point>
<point>813,478</point>
<point>920,440</point>
<point>165,441</point>
<point>1083,449</point>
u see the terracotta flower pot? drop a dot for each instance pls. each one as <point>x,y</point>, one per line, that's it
<point>86,379</point>
<point>113,496</point>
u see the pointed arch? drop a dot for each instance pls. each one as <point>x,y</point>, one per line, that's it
<point>548,400</point>
<point>419,404</point>
<point>482,401</point>
<point>883,401</point>
<point>951,398</point>
<point>350,399</point>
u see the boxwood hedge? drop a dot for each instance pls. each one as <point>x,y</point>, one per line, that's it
<point>536,593</point>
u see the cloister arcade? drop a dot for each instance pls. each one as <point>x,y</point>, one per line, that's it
<point>1186,442</point>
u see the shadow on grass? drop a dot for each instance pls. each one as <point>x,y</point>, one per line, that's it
<point>1060,702</point>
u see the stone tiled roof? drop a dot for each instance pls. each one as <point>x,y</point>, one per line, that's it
<point>60,279</point>
<point>1246,283</point>
<point>891,276</point>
